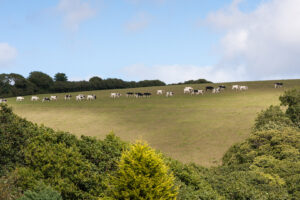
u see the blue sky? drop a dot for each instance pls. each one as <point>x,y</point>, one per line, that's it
<point>171,40</point>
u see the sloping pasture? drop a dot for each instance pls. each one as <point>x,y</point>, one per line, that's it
<point>188,128</point>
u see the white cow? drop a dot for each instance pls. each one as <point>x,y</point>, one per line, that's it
<point>3,101</point>
<point>216,90</point>
<point>80,97</point>
<point>187,90</point>
<point>169,94</point>
<point>91,97</point>
<point>158,92</point>
<point>243,87</point>
<point>53,98</point>
<point>35,98</point>
<point>68,96</point>
<point>197,92</point>
<point>115,95</point>
<point>235,87</point>
<point>19,98</point>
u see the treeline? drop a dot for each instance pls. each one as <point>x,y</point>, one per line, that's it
<point>37,162</point>
<point>39,82</point>
<point>198,81</point>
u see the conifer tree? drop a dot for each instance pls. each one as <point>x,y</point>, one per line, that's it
<point>142,174</point>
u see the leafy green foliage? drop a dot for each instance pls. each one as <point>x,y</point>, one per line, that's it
<point>41,192</point>
<point>41,80</point>
<point>60,77</point>
<point>291,98</point>
<point>142,174</point>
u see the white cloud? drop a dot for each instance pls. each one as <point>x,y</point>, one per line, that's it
<point>138,22</point>
<point>266,40</point>
<point>7,54</point>
<point>180,73</point>
<point>75,12</point>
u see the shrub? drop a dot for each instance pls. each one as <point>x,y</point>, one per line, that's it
<point>41,192</point>
<point>142,174</point>
<point>291,98</point>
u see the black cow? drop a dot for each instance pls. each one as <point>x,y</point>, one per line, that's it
<point>209,88</point>
<point>222,87</point>
<point>147,94</point>
<point>138,94</point>
<point>129,94</point>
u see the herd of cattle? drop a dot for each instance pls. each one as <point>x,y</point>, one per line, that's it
<point>186,90</point>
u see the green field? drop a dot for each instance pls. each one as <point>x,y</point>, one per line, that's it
<point>188,128</point>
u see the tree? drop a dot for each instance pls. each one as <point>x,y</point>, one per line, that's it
<point>41,80</point>
<point>291,98</point>
<point>60,77</point>
<point>142,174</point>
<point>96,83</point>
<point>41,191</point>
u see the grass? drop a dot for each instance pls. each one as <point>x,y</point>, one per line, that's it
<point>188,128</point>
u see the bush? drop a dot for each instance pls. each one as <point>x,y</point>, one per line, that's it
<point>142,174</point>
<point>41,192</point>
<point>291,98</point>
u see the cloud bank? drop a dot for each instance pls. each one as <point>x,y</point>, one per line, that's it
<point>265,41</point>
<point>7,54</point>
<point>75,12</point>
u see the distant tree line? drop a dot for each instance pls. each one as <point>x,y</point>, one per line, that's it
<point>39,82</point>
<point>198,81</point>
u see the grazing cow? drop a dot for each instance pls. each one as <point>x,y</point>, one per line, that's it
<point>222,87</point>
<point>216,90</point>
<point>54,98</point>
<point>19,98</point>
<point>34,98</point>
<point>80,97</point>
<point>209,88</point>
<point>115,95</point>
<point>138,94</point>
<point>243,87</point>
<point>169,94</point>
<point>68,96</point>
<point>3,101</point>
<point>187,90</point>
<point>197,92</point>
<point>158,92</point>
<point>46,99</point>
<point>129,94</point>
<point>147,94</point>
<point>91,97</point>
<point>278,85</point>
<point>235,87</point>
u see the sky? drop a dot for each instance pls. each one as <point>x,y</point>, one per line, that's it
<point>170,40</point>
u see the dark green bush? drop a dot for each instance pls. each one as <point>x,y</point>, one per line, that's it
<point>41,192</point>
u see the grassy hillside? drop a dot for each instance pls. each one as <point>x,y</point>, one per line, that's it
<point>188,128</point>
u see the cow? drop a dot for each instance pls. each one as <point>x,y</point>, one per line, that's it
<point>53,98</point>
<point>159,92</point>
<point>115,95</point>
<point>35,98</point>
<point>222,87</point>
<point>169,94</point>
<point>147,94</point>
<point>46,99</point>
<point>216,90</point>
<point>187,90</point>
<point>19,98</point>
<point>138,94</point>
<point>243,87</point>
<point>80,97</point>
<point>197,92</point>
<point>91,97</point>
<point>3,101</point>
<point>68,96</point>
<point>278,85</point>
<point>235,87</point>
<point>129,94</point>
<point>209,88</point>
